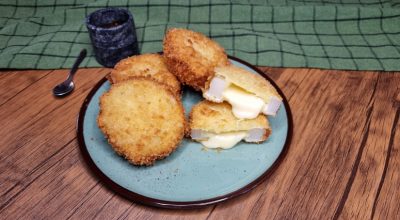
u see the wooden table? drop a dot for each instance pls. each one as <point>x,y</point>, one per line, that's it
<point>343,162</point>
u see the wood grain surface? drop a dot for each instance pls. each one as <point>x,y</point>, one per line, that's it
<point>343,162</point>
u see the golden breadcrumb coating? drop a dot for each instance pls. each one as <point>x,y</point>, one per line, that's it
<point>218,118</point>
<point>192,57</point>
<point>149,65</point>
<point>248,81</point>
<point>142,119</point>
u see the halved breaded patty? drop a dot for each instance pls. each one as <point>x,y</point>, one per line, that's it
<point>214,125</point>
<point>249,94</point>
<point>142,119</point>
<point>192,57</point>
<point>148,65</point>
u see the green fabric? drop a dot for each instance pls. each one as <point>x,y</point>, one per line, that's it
<point>351,34</point>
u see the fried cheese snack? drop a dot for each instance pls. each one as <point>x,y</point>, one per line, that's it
<point>214,125</point>
<point>147,65</point>
<point>192,57</point>
<point>249,94</point>
<point>142,120</point>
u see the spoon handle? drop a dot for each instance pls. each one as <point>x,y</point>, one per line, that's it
<point>78,61</point>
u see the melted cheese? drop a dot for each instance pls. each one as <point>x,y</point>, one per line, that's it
<point>244,105</point>
<point>224,141</point>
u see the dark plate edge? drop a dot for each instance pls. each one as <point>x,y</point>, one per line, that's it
<point>172,204</point>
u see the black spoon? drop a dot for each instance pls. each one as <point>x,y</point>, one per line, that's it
<point>67,86</point>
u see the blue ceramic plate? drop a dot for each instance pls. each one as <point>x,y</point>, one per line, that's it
<point>191,176</point>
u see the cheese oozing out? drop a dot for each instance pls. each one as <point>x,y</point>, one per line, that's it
<point>228,139</point>
<point>245,105</point>
<point>224,141</point>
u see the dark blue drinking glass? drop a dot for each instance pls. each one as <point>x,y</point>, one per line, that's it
<point>113,35</point>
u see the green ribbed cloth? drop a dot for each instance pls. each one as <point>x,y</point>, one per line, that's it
<point>332,34</point>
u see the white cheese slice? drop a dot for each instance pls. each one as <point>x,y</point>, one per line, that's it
<point>272,107</point>
<point>217,87</point>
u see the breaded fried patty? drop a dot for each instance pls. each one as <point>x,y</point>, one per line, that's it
<point>149,65</point>
<point>253,83</point>
<point>249,94</point>
<point>192,57</point>
<point>142,119</point>
<point>218,118</point>
<point>214,126</point>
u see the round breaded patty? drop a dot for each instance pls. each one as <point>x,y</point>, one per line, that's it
<point>142,119</point>
<point>149,65</point>
<point>192,57</point>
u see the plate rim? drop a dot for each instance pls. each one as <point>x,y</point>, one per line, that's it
<point>138,198</point>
